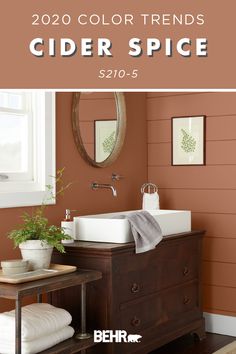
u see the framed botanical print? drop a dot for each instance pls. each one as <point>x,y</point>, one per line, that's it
<point>188,140</point>
<point>105,138</point>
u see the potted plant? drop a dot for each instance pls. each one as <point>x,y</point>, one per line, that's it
<point>36,238</point>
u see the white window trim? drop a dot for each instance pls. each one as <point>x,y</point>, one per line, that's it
<point>31,193</point>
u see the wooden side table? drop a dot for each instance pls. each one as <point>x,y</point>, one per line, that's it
<point>39,287</point>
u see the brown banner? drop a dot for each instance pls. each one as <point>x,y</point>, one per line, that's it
<point>109,44</point>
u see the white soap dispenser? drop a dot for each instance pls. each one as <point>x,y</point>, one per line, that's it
<point>68,225</point>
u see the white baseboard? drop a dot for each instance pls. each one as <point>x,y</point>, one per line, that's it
<point>220,324</point>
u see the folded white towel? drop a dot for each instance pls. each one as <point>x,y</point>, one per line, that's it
<point>38,320</point>
<point>39,344</point>
<point>151,201</point>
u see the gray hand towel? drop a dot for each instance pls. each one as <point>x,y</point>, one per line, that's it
<point>145,229</point>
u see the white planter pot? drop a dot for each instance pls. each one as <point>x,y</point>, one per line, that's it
<point>37,252</point>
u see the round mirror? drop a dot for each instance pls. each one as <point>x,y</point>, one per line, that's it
<point>99,123</point>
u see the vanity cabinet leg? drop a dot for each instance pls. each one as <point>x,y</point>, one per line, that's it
<point>39,298</point>
<point>199,333</point>
<point>18,326</point>
<point>49,298</point>
<point>83,334</point>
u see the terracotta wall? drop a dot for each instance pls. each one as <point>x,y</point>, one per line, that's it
<point>208,191</point>
<point>131,164</point>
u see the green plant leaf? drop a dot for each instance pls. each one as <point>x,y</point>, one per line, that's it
<point>109,142</point>
<point>188,143</point>
<point>36,226</point>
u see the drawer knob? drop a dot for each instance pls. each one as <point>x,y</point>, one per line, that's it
<point>185,271</point>
<point>135,288</point>
<point>186,300</point>
<point>135,322</point>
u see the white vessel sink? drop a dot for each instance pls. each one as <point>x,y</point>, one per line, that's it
<point>112,228</point>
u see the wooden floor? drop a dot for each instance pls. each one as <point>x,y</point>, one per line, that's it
<point>187,345</point>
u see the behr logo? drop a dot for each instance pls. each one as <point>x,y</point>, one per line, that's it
<point>117,336</point>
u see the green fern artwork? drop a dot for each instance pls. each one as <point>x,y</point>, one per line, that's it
<point>108,143</point>
<point>188,143</point>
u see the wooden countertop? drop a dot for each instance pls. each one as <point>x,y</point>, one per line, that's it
<point>106,248</point>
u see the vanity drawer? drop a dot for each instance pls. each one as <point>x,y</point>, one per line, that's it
<point>141,274</point>
<point>174,306</point>
<point>182,303</point>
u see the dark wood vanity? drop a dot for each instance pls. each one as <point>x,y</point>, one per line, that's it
<point>156,294</point>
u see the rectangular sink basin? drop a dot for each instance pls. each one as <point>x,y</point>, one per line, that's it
<point>110,227</point>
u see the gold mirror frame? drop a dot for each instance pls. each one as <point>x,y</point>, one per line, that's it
<point>120,134</point>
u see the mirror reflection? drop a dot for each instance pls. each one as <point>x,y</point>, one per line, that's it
<point>99,123</point>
